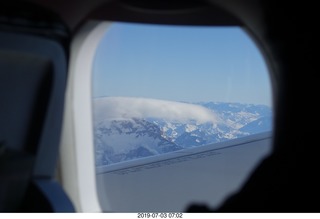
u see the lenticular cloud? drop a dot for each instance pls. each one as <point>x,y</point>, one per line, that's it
<point>106,108</point>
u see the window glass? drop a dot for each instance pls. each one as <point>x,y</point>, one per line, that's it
<point>161,89</point>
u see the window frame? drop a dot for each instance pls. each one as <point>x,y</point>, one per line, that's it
<point>78,176</point>
<point>77,143</point>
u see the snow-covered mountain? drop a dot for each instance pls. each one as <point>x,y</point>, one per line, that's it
<point>235,120</point>
<point>132,128</point>
<point>127,139</point>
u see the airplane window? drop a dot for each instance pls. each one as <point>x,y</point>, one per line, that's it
<point>159,89</point>
<point>174,108</point>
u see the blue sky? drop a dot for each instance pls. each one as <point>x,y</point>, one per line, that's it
<point>180,63</point>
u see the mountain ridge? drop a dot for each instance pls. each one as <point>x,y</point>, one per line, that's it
<point>122,139</point>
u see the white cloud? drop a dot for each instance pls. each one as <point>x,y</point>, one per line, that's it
<point>128,107</point>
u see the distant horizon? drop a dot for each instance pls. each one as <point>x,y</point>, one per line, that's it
<point>182,101</point>
<point>183,64</point>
